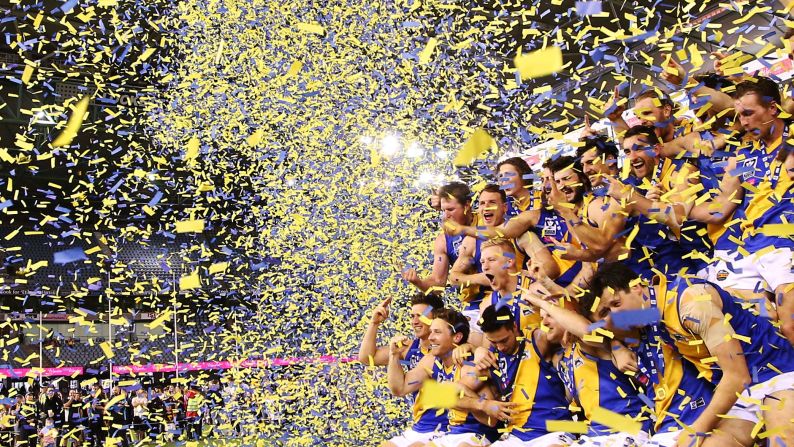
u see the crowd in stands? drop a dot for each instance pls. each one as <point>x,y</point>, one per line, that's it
<point>637,292</point>
<point>130,415</point>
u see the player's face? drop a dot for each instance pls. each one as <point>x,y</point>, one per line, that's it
<point>510,180</point>
<point>421,330</point>
<point>555,332</point>
<point>756,119</point>
<point>495,264</point>
<point>569,184</point>
<point>640,154</point>
<point>652,114</point>
<point>504,339</point>
<point>619,300</point>
<point>442,342</point>
<point>492,208</point>
<point>593,165</point>
<point>547,177</point>
<point>453,210</point>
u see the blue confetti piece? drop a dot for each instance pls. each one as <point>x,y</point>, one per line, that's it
<point>6,204</point>
<point>70,255</point>
<point>635,318</point>
<point>588,8</point>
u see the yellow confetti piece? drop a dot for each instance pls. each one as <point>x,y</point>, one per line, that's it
<point>27,73</point>
<point>107,349</point>
<point>567,426</point>
<point>427,53</point>
<point>479,142</point>
<point>784,230</point>
<point>219,267</point>
<point>539,63</point>
<point>255,137</point>
<point>294,69</point>
<point>312,28</point>
<point>73,125</point>
<point>192,149</point>
<point>615,421</point>
<point>191,281</point>
<point>438,395</point>
<point>190,226</point>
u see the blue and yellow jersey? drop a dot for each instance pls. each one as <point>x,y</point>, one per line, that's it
<point>766,351</point>
<point>593,382</point>
<point>533,383</point>
<point>516,207</point>
<point>752,165</point>
<point>678,394</point>
<point>772,204</point>
<point>472,295</point>
<point>432,420</point>
<point>453,247</point>
<point>552,225</point>
<point>461,421</point>
<point>654,246</point>
<point>529,318</point>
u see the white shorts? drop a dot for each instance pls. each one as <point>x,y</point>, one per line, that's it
<point>765,272</point>
<point>747,407</point>
<point>613,440</point>
<point>411,436</point>
<point>666,439</point>
<point>556,438</point>
<point>474,316</point>
<point>461,438</point>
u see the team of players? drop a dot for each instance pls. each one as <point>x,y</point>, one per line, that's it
<point>653,304</point>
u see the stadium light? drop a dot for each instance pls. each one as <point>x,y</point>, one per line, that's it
<point>390,146</point>
<point>414,150</point>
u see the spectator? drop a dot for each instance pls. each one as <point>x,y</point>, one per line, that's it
<point>48,434</point>
<point>140,419</point>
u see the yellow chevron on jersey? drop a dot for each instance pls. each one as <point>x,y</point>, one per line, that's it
<point>689,345</point>
<point>766,197</point>
<point>418,410</point>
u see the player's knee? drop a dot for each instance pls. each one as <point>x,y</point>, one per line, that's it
<point>787,329</point>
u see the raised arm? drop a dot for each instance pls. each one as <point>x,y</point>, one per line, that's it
<point>720,208</point>
<point>705,319</point>
<point>379,355</point>
<point>460,274</point>
<point>438,277</point>
<point>400,382</point>
<point>514,228</point>
<point>536,251</point>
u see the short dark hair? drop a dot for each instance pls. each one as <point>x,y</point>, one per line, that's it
<point>648,131</point>
<point>517,162</point>
<point>714,81</point>
<point>432,299</point>
<point>766,89</point>
<point>789,33</point>
<point>456,190</point>
<point>459,323</point>
<point>602,144</point>
<point>614,275</point>
<point>566,161</point>
<point>493,319</point>
<point>563,162</point>
<point>654,93</point>
<point>491,187</point>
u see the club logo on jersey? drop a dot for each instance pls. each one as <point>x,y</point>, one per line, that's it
<point>694,405</point>
<point>551,227</point>
<point>749,170</point>
<point>456,243</point>
<point>722,275</point>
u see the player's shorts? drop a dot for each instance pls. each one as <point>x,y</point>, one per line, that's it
<point>665,439</point>
<point>748,406</point>
<point>411,436</point>
<point>766,272</point>
<point>556,438</point>
<point>613,440</point>
<point>473,315</point>
<point>455,440</point>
